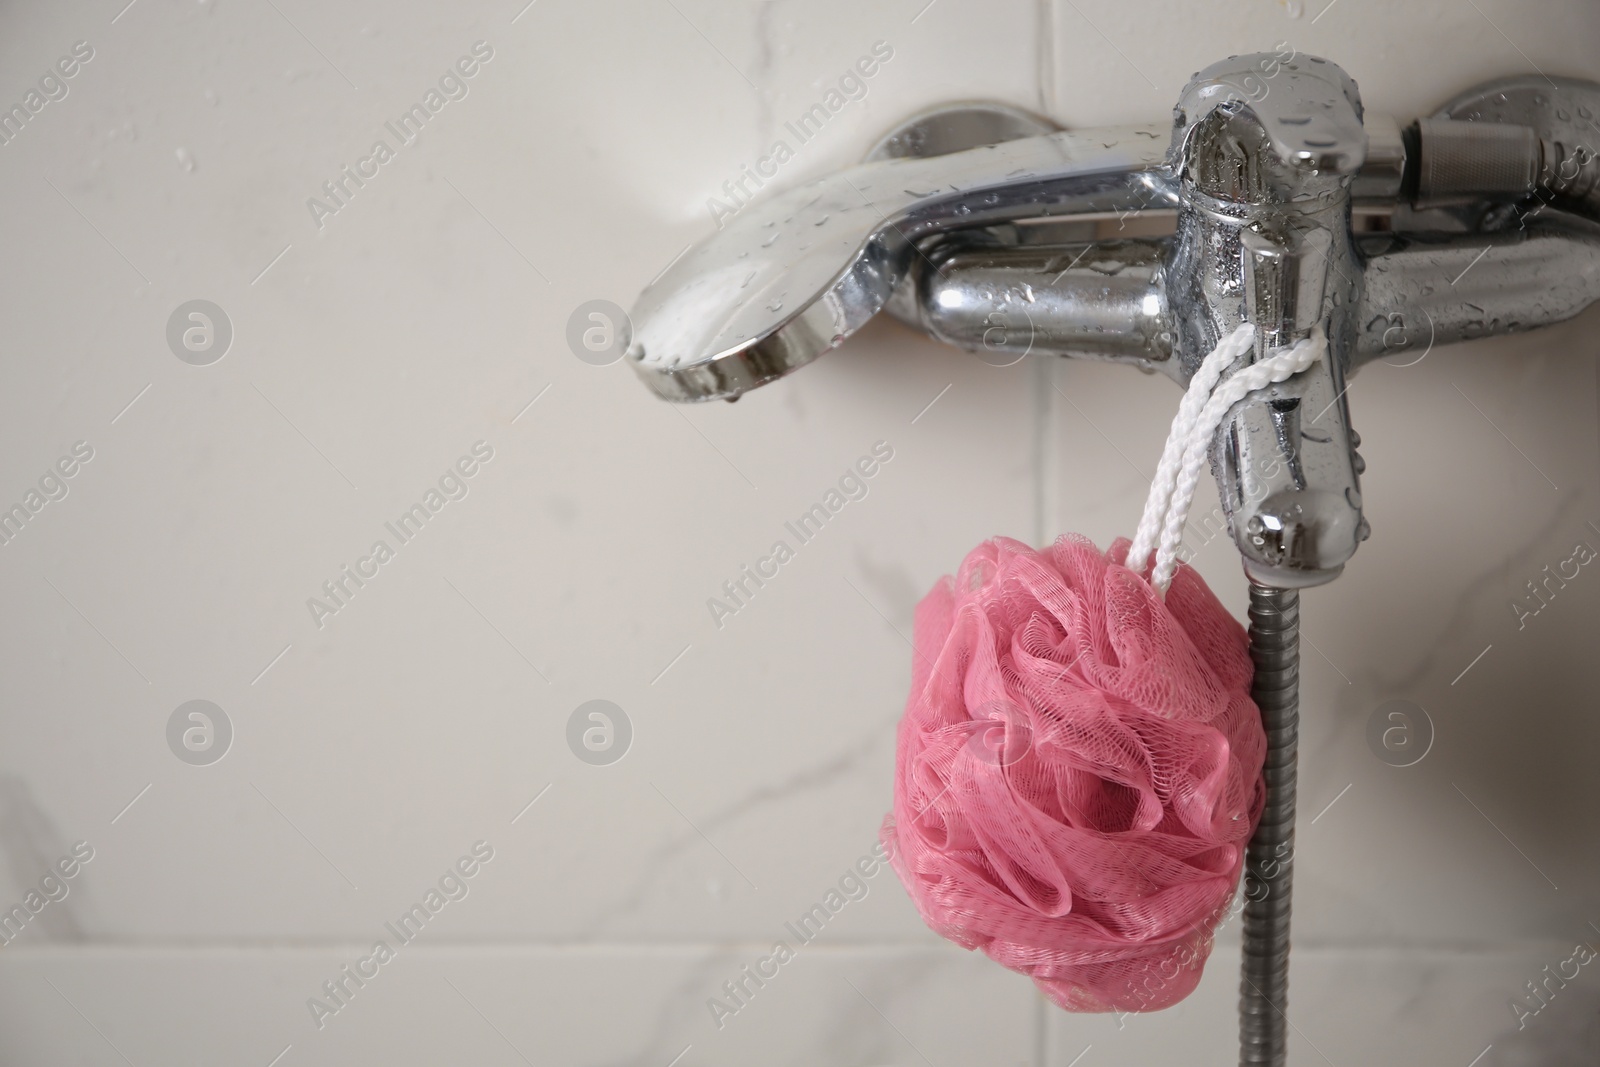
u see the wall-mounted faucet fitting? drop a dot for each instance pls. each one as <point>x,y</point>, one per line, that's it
<point>1271,198</point>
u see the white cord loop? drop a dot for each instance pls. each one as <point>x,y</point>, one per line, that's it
<point>1227,352</point>
<point>1204,405</point>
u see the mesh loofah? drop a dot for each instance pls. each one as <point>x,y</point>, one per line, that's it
<point>1078,771</point>
<point>1079,767</point>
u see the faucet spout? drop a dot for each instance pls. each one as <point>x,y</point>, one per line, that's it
<point>794,275</point>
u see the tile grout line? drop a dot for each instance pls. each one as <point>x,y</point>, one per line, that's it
<point>1047,59</point>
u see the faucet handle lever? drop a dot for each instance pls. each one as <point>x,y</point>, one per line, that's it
<point>1258,128</point>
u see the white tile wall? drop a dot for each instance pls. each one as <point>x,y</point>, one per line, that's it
<point>372,352</point>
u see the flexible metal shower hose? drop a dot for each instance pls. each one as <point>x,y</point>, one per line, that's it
<point>1264,987</point>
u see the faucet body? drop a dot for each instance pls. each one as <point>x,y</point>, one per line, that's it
<point>1263,235</point>
<point>1271,197</point>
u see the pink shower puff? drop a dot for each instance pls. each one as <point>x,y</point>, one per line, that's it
<point>1078,771</point>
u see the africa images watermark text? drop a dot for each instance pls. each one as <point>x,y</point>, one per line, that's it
<point>453,85</point>
<point>339,590</point>
<point>739,590</point>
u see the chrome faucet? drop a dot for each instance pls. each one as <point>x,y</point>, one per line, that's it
<point>1270,198</point>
